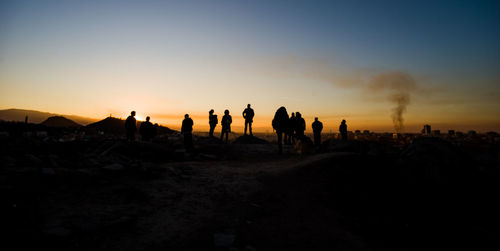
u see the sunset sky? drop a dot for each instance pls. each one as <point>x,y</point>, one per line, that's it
<point>332,59</point>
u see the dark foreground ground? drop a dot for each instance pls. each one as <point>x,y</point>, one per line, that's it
<point>105,194</point>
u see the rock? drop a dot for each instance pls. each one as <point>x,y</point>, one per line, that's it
<point>8,161</point>
<point>203,156</point>
<point>148,166</point>
<point>171,171</point>
<point>223,240</point>
<point>249,248</point>
<point>32,159</point>
<point>180,150</point>
<point>114,167</point>
<point>48,171</point>
<point>4,135</point>
<point>54,159</point>
<point>57,230</point>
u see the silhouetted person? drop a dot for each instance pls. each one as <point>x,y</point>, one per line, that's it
<point>343,130</point>
<point>290,130</point>
<point>226,125</point>
<point>300,126</point>
<point>280,123</point>
<point>248,114</point>
<point>317,127</point>
<point>212,121</point>
<point>131,126</point>
<point>147,130</point>
<point>187,130</point>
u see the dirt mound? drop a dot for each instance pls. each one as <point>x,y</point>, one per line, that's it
<point>207,140</point>
<point>247,139</point>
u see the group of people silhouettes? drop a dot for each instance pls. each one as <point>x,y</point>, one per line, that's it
<point>291,127</point>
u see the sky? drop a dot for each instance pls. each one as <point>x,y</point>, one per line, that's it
<point>372,63</point>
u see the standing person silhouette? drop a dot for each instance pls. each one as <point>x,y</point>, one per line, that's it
<point>147,130</point>
<point>280,122</point>
<point>300,126</point>
<point>212,121</point>
<point>187,130</point>
<point>248,114</point>
<point>226,125</point>
<point>317,127</point>
<point>131,126</point>
<point>343,130</point>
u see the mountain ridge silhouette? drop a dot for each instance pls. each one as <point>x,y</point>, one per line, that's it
<point>37,117</point>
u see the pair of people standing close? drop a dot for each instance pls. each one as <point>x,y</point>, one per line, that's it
<point>225,123</point>
<point>147,129</point>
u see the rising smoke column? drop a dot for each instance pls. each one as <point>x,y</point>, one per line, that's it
<point>398,86</point>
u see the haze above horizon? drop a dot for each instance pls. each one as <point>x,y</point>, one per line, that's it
<point>425,62</point>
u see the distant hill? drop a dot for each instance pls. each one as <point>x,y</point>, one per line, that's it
<point>115,125</point>
<point>109,125</point>
<point>38,117</point>
<point>59,121</point>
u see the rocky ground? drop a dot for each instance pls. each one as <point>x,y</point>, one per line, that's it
<point>108,194</point>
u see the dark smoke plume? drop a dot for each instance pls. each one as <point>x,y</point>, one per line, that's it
<point>398,85</point>
<point>401,100</point>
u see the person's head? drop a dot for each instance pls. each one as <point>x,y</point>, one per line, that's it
<point>316,119</point>
<point>226,112</point>
<point>248,105</point>
<point>211,111</point>
<point>132,113</point>
<point>293,114</point>
<point>186,116</point>
<point>147,118</point>
<point>298,115</point>
<point>343,121</point>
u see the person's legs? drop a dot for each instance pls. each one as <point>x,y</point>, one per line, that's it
<point>300,135</point>
<point>130,136</point>
<point>317,139</point>
<point>280,143</point>
<point>246,124</point>
<point>250,128</point>
<point>186,140</point>
<point>190,140</point>
<point>211,132</point>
